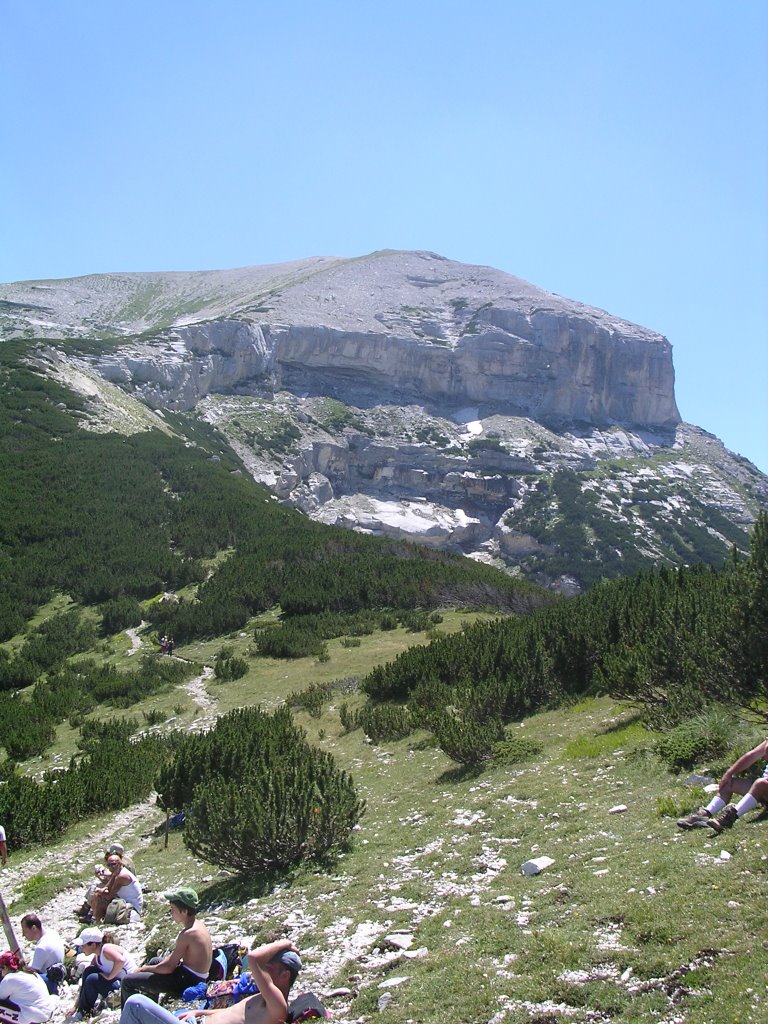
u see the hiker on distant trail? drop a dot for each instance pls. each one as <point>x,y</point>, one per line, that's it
<point>3,846</point>
<point>49,951</point>
<point>171,645</point>
<point>720,814</point>
<point>121,884</point>
<point>274,967</point>
<point>188,964</point>
<point>109,965</point>
<point>163,644</point>
<point>24,998</point>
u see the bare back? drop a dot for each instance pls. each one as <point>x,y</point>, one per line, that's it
<point>194,948</point>
<point>252,1010</point>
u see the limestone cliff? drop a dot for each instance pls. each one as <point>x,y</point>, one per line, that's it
<point>393,326</point>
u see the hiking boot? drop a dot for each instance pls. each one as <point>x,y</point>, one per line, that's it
<point>699,819</point>
<point>725,819</point>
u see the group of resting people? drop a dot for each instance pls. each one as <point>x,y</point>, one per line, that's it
<point>27,993</point>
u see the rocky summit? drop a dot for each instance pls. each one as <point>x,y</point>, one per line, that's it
<point>405,394</point>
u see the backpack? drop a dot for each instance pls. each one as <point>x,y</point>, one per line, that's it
<point>226,961</point>
<point>306,1007</point>
<point>118,912</point>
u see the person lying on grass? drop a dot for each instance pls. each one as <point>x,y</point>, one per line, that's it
<point>274,967</point>
<point>720,813</point>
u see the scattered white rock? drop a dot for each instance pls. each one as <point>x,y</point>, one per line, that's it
<point>724,855</point>
<point>384,1000</point>
<point>618,809</point>
<point>392,982</point>
<point>537,865</point>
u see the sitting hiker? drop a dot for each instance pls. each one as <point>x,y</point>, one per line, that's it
<point>274,967</point>
<point>49,951</point>
<point>189,962</point>
<point>119,849</point>
<point>121,884</point>
<point>720,814</point>
<point>24,998</point>
<point>109,965</point>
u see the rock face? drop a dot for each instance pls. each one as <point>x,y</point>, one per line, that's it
<point>407,395</point>
<point>392,326</point>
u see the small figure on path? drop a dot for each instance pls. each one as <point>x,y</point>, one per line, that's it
<point>3,846</point>
<point>720,814</point>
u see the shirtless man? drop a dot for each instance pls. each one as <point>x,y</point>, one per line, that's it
<point>274,967</point>
<point>188,964</point>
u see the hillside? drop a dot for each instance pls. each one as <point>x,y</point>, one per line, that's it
<point>407,395</point>
<point>633,922</point>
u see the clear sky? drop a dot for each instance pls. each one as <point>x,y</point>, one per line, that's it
<point>612,151</point>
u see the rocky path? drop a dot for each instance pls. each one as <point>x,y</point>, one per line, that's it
<point>197,691</point>
<point>133,636</point>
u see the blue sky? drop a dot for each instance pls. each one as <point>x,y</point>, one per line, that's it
<point>613,151</point>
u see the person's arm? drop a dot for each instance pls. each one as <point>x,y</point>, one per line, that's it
<point>747,760</point>
<point>257,960</point>
<point>171,962</point>
<point>117,881</point>
<point>115,954</point>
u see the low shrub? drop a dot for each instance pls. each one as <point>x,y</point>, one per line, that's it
<point>513,749</point>
<point>707,735</point>
<point>465,740</point>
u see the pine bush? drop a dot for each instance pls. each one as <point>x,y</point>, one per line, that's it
<point>258,797</point>
<point>466,740</point>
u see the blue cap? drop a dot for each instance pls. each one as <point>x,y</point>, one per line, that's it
<point>289,959</point>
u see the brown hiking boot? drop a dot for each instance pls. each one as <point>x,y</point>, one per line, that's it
<point>725,819</point>
<point>699,819</point>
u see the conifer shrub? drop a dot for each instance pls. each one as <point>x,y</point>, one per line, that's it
<point>258,797</point>
<point>120,613</point>
<point>93,732</point>
<point>347,717</point>
<point>113,775</point>
<point>312,700</point>
<point>228,666</point>
<point>382,722</point>
<point>466,740</point>
<point>513,749</point>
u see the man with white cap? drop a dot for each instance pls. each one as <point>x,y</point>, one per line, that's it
<point>274,967</point>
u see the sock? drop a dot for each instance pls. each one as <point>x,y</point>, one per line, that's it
<point>746,804</point>
<point>715,805</point>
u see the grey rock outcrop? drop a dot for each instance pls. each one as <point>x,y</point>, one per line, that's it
<point>392,326</point>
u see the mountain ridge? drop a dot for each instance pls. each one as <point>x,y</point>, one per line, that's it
<point>406,394</point>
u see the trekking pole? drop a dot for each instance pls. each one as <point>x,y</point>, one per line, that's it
<point>8,929</point>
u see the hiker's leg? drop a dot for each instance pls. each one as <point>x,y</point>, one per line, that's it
<point>755,796</point>
<point>89,989</point>
<point>728,786</point>
<point>142,1010</point>
<point>146,982</point>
